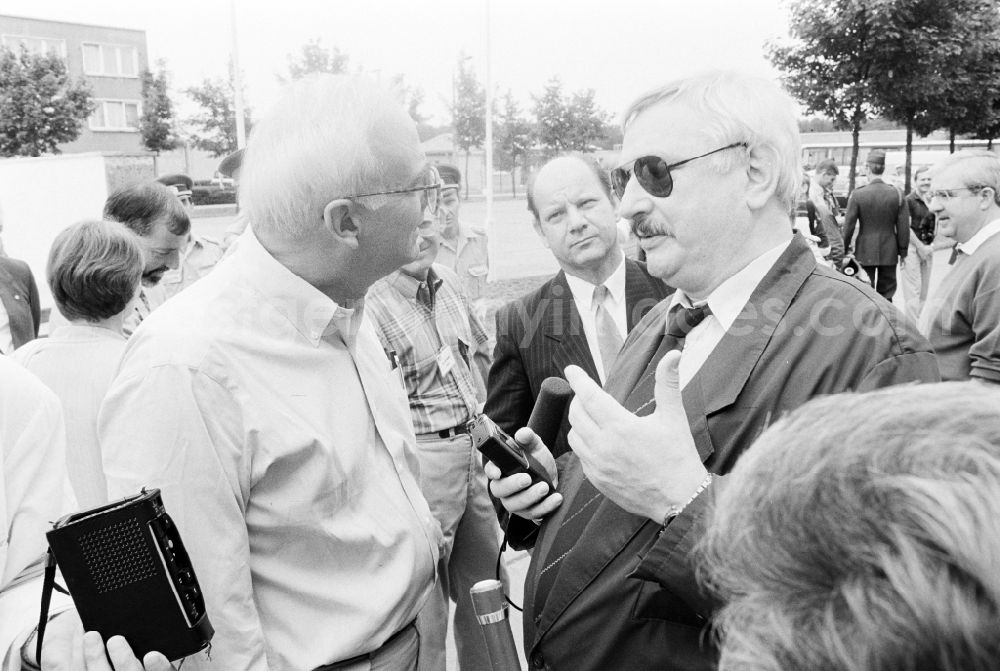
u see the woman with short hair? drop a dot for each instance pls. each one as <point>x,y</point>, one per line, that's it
<point>94,271</point>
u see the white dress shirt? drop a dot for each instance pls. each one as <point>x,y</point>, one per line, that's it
<point>32,485</point>
<point>583,296</point>
<point>726,303</point>
<point>78,362</point>
<point>982,235</point>
<point>269,417</point>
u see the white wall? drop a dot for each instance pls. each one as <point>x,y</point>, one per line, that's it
<point>41,196</point>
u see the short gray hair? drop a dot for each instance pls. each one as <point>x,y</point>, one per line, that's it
<point>328,136</point>
<point>94,270</point>
<point>861,532</point>
<point>737,108</point>
<point>980,168</point>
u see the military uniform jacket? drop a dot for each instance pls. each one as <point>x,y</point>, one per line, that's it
<point>884,224</point>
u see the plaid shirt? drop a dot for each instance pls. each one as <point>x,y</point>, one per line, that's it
<point>415,320</point>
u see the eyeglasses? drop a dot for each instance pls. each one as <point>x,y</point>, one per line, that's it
<point>430,194</point>
<point>944,195</point>
<point>653,173</point>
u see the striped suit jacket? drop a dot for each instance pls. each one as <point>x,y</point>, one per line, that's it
<point>540,334</point>
<point>19,295</point>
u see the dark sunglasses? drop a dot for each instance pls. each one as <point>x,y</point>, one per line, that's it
<point>653,173</point>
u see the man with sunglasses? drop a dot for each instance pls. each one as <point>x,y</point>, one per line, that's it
<point>708,174</point>
<point>441,352</point>
<point>261,403</point>
<point>962,320</point>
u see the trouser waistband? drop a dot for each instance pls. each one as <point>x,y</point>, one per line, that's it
<point>368,656</point>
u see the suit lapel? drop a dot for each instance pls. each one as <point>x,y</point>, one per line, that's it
<point>563,327</point>
<point>640,293</point>
<point>716,385</point>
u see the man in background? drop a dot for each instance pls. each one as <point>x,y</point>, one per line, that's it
<point>583,314</point>
<point>201,252</point>
<point>825,205</point>
<point>917,272</point>
<point>962,320</point>
<point>20,312</point>
<point>883,222</point>
<point>463,246</point>
<point>441,352</point>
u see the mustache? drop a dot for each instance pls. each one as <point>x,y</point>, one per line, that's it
<point>643,227</point>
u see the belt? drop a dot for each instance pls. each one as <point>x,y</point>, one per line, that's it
<point>368,656</point>
<point>453,431</point>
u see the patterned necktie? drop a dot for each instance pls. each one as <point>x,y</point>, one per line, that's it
<point>609,338</point>
<point>584,504</point>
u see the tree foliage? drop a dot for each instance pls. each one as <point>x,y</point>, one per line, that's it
<point>468,113</point>
<point>40,106</point>
<point>511,137</point>
<point>573,123</point>
<point>213,128</point>
<point>315,58</point>
<point>157,122</point>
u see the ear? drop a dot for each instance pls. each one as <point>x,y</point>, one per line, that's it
<point>337,220</point>
<point>762,176</point>
<point>537,225</point>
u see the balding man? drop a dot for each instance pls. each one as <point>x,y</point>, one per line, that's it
<point>261,403</point>
<point>583,314</point>
<point>708,175</point>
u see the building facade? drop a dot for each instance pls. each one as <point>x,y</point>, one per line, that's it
<point>111,60</point>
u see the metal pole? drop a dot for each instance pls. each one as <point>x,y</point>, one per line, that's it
<point>241,131</point>
<point>488,224</point>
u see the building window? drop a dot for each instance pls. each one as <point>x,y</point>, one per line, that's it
<point>35,45</point>
<point>110,60</point>
<point>115,115</point>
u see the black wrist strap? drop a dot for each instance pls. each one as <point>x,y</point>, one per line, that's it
<point>48,584</point>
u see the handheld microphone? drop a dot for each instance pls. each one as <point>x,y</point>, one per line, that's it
<point>550,409</point>
<point>491,610</point>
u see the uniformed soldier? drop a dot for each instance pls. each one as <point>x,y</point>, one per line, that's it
<point>463,246</point>
<point>201,252</point>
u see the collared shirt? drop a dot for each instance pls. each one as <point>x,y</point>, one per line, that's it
<point>726,303</point>
<point>78,362</point>
<point>583,296</point>
<point>268,416</point>
<point>32,495</point>
<point>468,256</point>
<point>982,235</point>
<point>444,388</point>
<point>197,259</point>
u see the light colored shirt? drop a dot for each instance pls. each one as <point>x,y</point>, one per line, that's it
<point>583,296</point>
<point>6,337</point>
<point>982,235</point>
<point>441,348</point>
<point>197,259</point>
<point>32,488</point>
<point>269,417</point>
<point>726,303</point>
<point>78,362</point>
<point>467,255</point>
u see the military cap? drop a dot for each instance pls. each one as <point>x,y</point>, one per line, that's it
<point>231,163</point>
<point>178,183</point>
<point>450,175</point>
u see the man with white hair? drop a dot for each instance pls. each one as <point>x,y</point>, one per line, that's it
<point>708,174</point>
<point>276,428</point>
<point>963,320</point>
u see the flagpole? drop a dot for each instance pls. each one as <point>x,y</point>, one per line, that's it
<point>241,131</point>
<point>489,224</point>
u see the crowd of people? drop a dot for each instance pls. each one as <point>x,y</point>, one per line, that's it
<point>301,395</point>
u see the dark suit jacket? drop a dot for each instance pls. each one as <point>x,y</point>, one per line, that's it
<point>885,224</point>
<point>923,222</point>
<point>19,295</point>
<point>625,597</point>
<point>540,334</point>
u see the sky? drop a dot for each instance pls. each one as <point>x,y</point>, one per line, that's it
<point>619,48</point>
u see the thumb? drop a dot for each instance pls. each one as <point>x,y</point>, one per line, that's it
<point>668,388</point>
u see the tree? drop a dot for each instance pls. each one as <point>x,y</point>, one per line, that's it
<point>553,121</point>
<point>511,137</point>
<point>314,58</point>
<point>568,124</point>
<point>828,66</point>
<point>214,127</point>
<point>40,107</point>
<point>468,113</point>
<point>157,122</point>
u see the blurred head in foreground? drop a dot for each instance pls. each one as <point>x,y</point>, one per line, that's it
<point>865,544</point>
